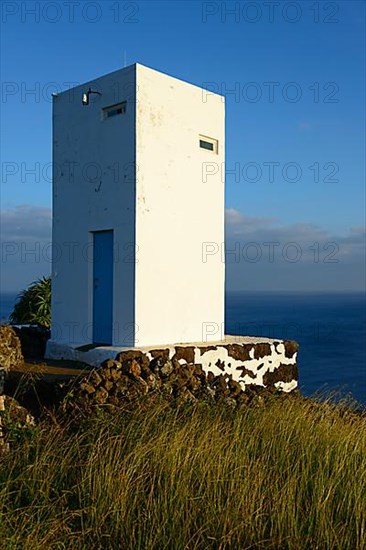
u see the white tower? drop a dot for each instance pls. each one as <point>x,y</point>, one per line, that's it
<point>138,200</point>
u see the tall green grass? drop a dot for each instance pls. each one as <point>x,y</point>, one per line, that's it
<point>290,475</point>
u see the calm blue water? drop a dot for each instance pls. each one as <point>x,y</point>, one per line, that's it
<point>330,328</point>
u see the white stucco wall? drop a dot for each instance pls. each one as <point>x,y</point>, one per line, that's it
<point>166,213</point>
<point>103,148</point>
<point>176,291</point>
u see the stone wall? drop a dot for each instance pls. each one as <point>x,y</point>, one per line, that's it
<point>247,360</point>
<point>236,371</point>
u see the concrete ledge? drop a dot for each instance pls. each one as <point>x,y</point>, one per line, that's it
<point>248,360</point>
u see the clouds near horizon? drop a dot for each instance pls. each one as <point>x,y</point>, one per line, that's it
<point>262,253</point>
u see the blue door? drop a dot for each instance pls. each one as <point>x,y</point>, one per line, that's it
<point>102,287</point>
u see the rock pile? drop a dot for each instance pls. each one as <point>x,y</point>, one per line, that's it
<point>14,419</point>
<point>132,374</point>
<point>11,355</point>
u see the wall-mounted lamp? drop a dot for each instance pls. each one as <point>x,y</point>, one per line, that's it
<point>85,96</point>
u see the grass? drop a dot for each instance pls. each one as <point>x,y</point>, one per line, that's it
<point>290,475</point>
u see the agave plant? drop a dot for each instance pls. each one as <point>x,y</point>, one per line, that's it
<point>33,306</point>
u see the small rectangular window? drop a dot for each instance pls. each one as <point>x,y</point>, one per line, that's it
<point>114,110</point>
<point>209,144</point>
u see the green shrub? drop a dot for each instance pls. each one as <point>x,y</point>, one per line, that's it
<point>34,305</point>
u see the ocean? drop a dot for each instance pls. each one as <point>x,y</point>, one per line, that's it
<point>330,328</point>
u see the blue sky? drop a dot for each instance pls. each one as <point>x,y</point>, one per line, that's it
<point>293,76</point>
